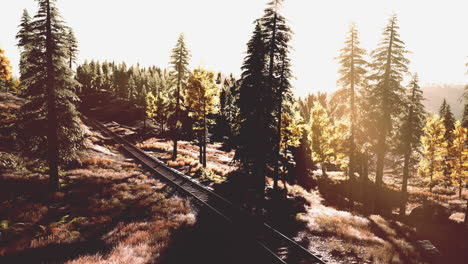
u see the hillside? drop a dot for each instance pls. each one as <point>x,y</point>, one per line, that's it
<point>435,94</point>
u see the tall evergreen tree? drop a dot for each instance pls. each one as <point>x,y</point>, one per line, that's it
<point>50,109</point>
<point>72,47</point>
<point>179,61</point>
<point>352,71</point>
<point>411,131</point>
<point>445,112</point>
<point>25,39</point>
<point>386,94</point>
<point>448,119</point>
<point>277,37</point>
<point>255,110</point>
<point>465,115</point>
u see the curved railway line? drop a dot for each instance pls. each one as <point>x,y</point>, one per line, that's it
<point>279,247</point>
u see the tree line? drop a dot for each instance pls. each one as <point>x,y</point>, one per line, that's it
<point>374,117</point>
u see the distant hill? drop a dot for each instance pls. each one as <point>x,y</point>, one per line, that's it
<point>435,94</point>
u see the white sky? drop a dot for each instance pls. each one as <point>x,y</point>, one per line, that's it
<point>217,31</point>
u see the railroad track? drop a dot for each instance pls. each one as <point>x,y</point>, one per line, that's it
<point>278,246</point>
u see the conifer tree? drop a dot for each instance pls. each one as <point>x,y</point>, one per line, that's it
<point>50,109</point>
<point>225,124</point>
<point>201,97</point>
<point>445,112</point>
<point>25,39</point>
<point>85,77</point>
<point>459,157</point>
<point>411,131</point>
<point>352,71</point>
<point>179,61</point>
<point>449,123</point>
<point>465,115</point>
<point>277,36</point>
<point>72,47</point>
<point>132,89</point>
<point>386,94</point>
<point>254,103</point>
<point>434,150</point>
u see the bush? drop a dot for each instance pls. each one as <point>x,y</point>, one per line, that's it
<point>9,161</point>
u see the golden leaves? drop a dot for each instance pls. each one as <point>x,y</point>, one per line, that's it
<point>5,67</point>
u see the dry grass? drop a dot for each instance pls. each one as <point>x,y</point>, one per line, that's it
<point>418,191</point>
<point>218,165</point>
<point>106,197</point>
<point>370,238</point>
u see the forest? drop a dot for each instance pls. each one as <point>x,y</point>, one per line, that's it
<point>365,174</point>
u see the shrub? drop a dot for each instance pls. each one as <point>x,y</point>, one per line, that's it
<point>9,161</point>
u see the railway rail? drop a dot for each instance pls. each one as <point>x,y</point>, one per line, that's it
<point>280,248</point>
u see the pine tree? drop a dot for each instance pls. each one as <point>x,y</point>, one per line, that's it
<point>255,108</point>
<point>411,131</point>
<point>132,89</point>
<point>388,65</point>
<point>224,127</point>
<point>201,97</point>
<point>25,39</point>
<point>50,109</point>
<point>352,71</point>
<point>179,61</point>
<point>465,116</point>
<point>434,150</point>
<point>84,76</point>
<point>72,47</point>
<point>449,123</point>
<point>459,157</point>
<point>277,36</point>
<point>446,114</point>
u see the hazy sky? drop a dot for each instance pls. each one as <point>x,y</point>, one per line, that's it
<point>217,31</point>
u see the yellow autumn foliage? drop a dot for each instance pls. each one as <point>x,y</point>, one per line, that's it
<point>459,156</point>
<point>328,139</point>
<point>434,150</point>
<point>5,66</point>
<point>201,96</point>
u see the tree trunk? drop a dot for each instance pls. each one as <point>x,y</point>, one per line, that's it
<point>466,214</point>
<point>353,117</point>
<point>431,172</point>
<point>52,140</point>
<point>324,170</point>
<point>365,168</point>
<point>200,149</point>
<point>204,135</point>
<point>278,146</point>
<point>379,171</point>
<point>404,185</point>
<point>177,117</point>
<point>71,59</point>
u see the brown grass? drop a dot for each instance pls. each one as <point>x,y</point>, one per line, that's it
<point>219,163</point>
<point>107,195</point>
<point>368,238</point>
